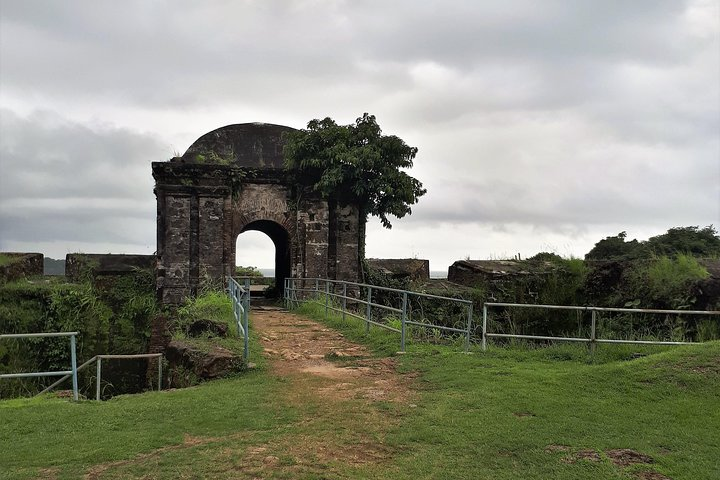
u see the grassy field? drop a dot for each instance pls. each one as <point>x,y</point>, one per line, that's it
<point>550,413</point>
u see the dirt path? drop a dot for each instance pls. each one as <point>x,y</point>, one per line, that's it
<point>349,400</point>
<point>298,347</point>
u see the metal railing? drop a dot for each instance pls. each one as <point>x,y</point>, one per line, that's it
<point>325,293</point>
<point>592,338</point>
<point>65,373</point>
<point>98,359</point>
<point>295,286</point>
<point>240,296</point>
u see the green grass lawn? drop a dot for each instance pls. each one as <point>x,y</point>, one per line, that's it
<point>514,413</point>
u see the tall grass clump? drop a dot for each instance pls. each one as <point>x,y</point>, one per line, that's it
<point>668,279</point>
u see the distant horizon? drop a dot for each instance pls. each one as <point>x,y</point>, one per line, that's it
<point>270,272</point>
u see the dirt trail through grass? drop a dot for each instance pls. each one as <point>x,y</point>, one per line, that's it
<point>312,355</point>
<point>348,399</point>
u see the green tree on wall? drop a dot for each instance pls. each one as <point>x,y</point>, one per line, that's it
<point>355,163</point>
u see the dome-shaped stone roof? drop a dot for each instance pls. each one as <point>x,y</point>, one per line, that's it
<point>257,145</point>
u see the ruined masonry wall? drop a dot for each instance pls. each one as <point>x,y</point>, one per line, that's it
<point>199,220</point>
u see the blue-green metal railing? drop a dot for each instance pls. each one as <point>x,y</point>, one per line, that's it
<point>295,286</point>
<point>240,296</point>
<point>592,339</point>
<point>98,359</point>
<point>73,359</point>
<point>324,291</point>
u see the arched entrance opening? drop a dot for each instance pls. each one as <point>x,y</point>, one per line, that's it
<point>281,241</point>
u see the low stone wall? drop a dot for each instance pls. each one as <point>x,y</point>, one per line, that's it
<point>413,269</point>
<point>21,265</point>
<point>80,265</point>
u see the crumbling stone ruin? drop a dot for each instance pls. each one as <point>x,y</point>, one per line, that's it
<point>19,265</point>
<point>412,269</point>
<point>232,180</point>
<point>94,265</point>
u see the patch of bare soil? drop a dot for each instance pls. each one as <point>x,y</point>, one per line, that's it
<point>523,414</point>
<point>707,367</point>
<point>588,455</point>
<point>189,441</point>
<point>49,473</point>
<point>620,457</point>
<point>624,457</point>
<point>297,346</point>
<point>557,448</point>
<point>651,475</point>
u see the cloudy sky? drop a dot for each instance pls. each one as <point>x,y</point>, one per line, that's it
<point>541,125</point>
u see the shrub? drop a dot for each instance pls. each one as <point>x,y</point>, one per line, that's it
<point>668,280</point>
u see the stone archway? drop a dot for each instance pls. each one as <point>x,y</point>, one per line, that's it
<point>231,180</point>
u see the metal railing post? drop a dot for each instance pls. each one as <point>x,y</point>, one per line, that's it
<point>73,367</point>
<point>160,359</point>
<point>484,328</point>
<point>327,296</point>
<point>592,332</point>
<point>402,321</point>
<point>368,311</point>
<point>98,373</point>
<point>246,316</point>
<point>317,287</point>
<point>344,300</point>
<point>285,293</point>
<point>469,326</point>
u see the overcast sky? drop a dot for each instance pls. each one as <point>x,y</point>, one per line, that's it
<point>541,125</point>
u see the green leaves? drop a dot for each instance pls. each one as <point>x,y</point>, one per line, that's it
<point>355,163</point>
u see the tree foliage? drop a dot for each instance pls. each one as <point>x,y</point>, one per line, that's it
<point>694,241</point>
<point>616,248</point>
<point>355,162</point>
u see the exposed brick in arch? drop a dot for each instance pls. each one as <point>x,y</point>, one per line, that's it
<point>229,181</point>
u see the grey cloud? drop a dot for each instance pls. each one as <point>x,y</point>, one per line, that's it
<point>560,116</point>
<point>180,53</point>
<point>64,181</point>
<point>46,156</point>
<point>465,32</point>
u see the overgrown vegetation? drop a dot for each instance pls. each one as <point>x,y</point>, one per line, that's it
<point>112,318</point>
<point>241,271</point>
<point>7,259</point>
<point>257,276</point>
<point>669,271</point>
<point>203,324</point>
<point>213,305</point>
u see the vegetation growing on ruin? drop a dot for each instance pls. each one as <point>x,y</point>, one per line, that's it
<point>6,260</point>
<point>356,163</point>
<point>111,318</point>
